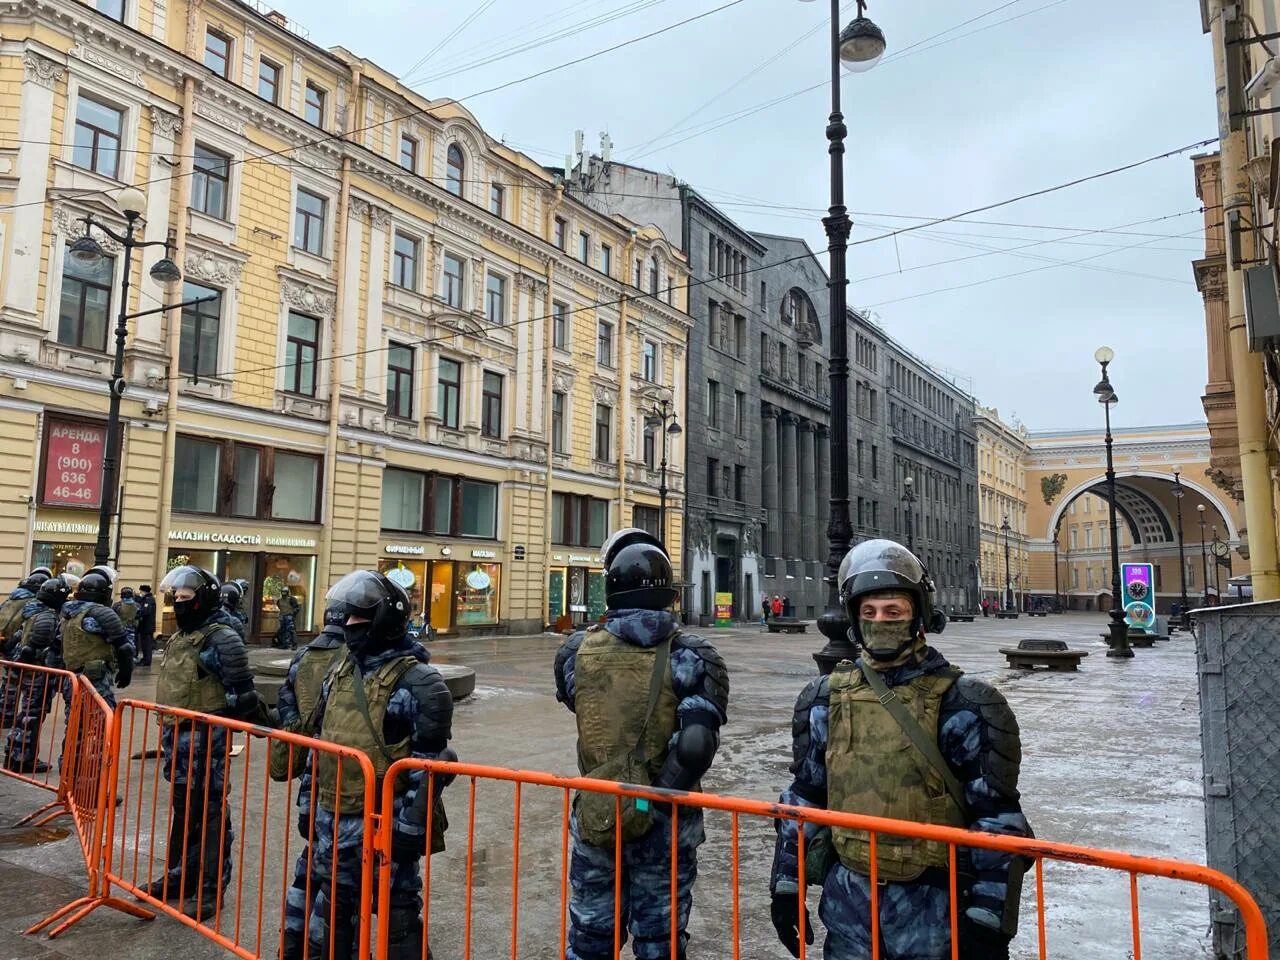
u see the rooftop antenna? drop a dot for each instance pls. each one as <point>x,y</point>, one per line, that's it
<point>606,147</point>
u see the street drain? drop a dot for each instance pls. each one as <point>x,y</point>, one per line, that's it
<point>32,836</point>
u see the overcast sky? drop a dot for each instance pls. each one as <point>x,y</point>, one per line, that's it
<point>1035,94</point>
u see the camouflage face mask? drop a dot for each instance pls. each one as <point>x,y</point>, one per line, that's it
<point>888,642</point>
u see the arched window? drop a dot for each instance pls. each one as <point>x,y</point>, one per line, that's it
<point>454,171</point>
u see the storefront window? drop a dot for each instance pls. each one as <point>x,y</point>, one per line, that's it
<point>479,509</point>
<point>297,478</point>
<point>477,593</point>
<point>410,574</point>
<point>267,574</point>
<point>72,558</point>
<point>296,573</point>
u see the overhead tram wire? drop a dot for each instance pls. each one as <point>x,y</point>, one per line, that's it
<point>258,158</point>
<point>452,34</point>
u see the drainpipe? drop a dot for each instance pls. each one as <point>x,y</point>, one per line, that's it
<point>325,573</point>
<point>1246,367</point>
<point>548,360</point>
<point>624,388</point>
<point>173,319</point>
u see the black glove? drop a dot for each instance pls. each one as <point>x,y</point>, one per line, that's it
<point>304,824</point>
<point>982,943</point>
<point>25,654</point>
<point>785,912</point>
<point>124,668</point>
<point>405,847</point>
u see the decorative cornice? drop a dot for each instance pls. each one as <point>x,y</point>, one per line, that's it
<point>41,70</point>
<point>67,223</point>
<point>380,218</point>
<point>221,117</point>
<point>1211,277</point>
<point>209,266</point>
<point>166,124</point>
<point>358,209</point>
<point>314,300</point>
<point>89,54</point>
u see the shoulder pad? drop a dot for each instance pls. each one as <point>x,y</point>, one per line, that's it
<point>1002,743</point>
<point>714,670</point>
<point>435,703</point>
<point>817,692</point>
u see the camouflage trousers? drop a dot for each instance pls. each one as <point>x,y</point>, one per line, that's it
<point>10,683</point>
<point>286,638</point>
<point>915,918</point>
<point>646,890</point>
<point>37,698</point>
<point>194,760</point>
<point>105,684</point>
<point>334,881</point>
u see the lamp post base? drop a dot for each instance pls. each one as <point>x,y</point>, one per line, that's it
<point>1118,643</point>
<point>834,625</point>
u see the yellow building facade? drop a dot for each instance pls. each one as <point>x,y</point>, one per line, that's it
<point>417,353</point>
<point>1002,497</point>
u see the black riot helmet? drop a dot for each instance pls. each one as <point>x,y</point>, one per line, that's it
<point>231,595</point>
<point>54,592</point>
<point>94,587</point>
<point>879,566</point>
<point>624,538</point>
<point>126,593</point>
<point>105,570</point>
<point>371,596</point>
<point>40,572</point>
<point>639,576</point>
<point>204,603</point>
<point>335,616</point>
<point>33,579</point>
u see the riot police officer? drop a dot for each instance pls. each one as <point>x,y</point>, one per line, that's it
<point>10,623</point>
<point>130,614</point>
<point>382,699</point>
<point>951,758</point>
<point>36,644</point>
<point>205,668</point>
<point>232,596</point>
<point>286,637</point>
<point>296,703</point>
<point>649,702</point>
<point>92,640</point>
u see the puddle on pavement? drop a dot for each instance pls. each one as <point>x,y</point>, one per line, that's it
<point>32,836</point>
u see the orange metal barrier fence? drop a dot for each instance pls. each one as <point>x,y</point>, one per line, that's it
<point>734,919</point>
<point>197,829</point>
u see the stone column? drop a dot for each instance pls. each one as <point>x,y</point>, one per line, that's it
<point>769,477</point>
<point>788,481</point>
<point>808,494</point>
<point>822,472</point>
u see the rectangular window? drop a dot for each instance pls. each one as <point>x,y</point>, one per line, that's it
<point>559,324</point>
<point>210,182</point>
<point>99,129</point>
<point>650,361</point>
<point>404,262</point>
<point>584,246</point>
<point>496,196</point>
<point>495,299</point>
<point>308,223</point>
<point>578,521</point>
<point>217,52</point>
<point>441,510</point>
<point>646,519</point>
<point>875,462</point>
<point>479,510</point>
<point>200,329</point>
<point>403,496</point>
<point>713,404</point>
<point>653,277</point>
<point>739,413</point>
<point>297,484</point>
<point>557,422</point>
<point>453,276</point>
<point>85,308</point>
<point>606,259</point>
<point>112,8</point>
<point>449,392</point>
<point>739,336</point>
<point>739,482</point>
<point>300,347</point>
<point>560,229</point>
<point>650,451</point>
<point>604,344</point>
<point>713,476</point>
<point>635,277</point>
<point>713,322</point>
<point>269,81</point>
<point>196,469</point>
<point>491,405</point>
<point>604,432</point>
<point>409,153</point>
<point>400,381</point>
<point>859,461</point>
<point>313,112</point>
<point>246,467</point>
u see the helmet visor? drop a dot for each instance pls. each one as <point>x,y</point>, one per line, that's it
<point>884,557</point>
<point>185,577</point>
<point>358,590</point>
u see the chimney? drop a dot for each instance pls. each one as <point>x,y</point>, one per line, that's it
<point>278,18</point>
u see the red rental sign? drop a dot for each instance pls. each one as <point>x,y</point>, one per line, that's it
<point>73,464</point>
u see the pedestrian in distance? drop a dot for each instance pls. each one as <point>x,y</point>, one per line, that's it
<point>286,638</point>
<point>36,644</point>
<point>649,703</point>
<point>296,704</point>
<point>382,699</point>
<point>764,609</point>
<point>901,733</point>
<point>205,668</point>
<point>146,624</point>
<point>10,623</point>
<point>777,606</point>
<point>986,606</point>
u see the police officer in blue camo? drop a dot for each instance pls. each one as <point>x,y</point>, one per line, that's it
<point>36,644</point>
<point>92,641</point>
<point>232,602</point>
<point>205,669</point>
<point>129,612</point>
<point>10,623</point>
<point>854,754</point>
<point>286,637</point>
<point>606,675</point>
<point>403,709</point>
<point>295,704</point>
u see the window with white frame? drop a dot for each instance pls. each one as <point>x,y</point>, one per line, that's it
<point>98,134</point>
<point>217,52</point>
<point>491,405</point>
<point>455,170</point>
<point>400,381</point>
<point>200,331</point>
<point>604,432</point>
<point>269,81</point>
<point>497,196</point>
<point>302,344</point>
<point>557,422</point>
<point>210,182</point>
<point>449,392</point>
<point>409,152</point>
<point>404,261</point>
<point>112,8</point>
<point>650,366</point>
<point>308,222</point>
<point>85,307</point>
<point>454,275</point>
<point>495,298</point>
<point>559,325</point>
<point>313,107</point>
<point>604,343</point>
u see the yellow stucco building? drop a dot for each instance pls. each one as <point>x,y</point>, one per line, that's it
<point>418,353</point>
<point>1002,498</point>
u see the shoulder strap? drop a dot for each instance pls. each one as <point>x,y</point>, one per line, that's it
<point>362,703</point>
<point>922,741</point>
<point>661,655</point>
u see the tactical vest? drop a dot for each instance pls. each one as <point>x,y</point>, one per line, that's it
<point>874,769</point>
<point>11,618</point>
<point>611,678</point>
<point>344,724</point>
<point>128,614</point>
<point>80,647</point>
<point>312,669</point>
<point>183,682</point>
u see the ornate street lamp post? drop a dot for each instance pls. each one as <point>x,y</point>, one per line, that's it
<point>909,503</point>
<point>88,251</point>
<point>1182,556</point>
<point>1118,645</point>
<point>663,418</point>
<point>1057,586</point>
<point>858,47</point>
<point>1008,571</point>
<point>1204,557</point>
